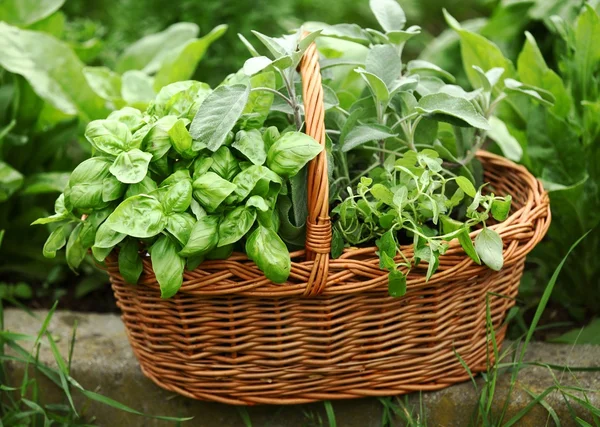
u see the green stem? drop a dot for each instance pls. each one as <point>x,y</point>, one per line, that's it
<point>363,173</point>
<point>276,92</point>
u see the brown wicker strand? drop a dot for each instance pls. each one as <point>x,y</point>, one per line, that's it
<point>318,225</point>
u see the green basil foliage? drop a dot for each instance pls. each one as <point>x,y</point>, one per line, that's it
<point>194,177</point>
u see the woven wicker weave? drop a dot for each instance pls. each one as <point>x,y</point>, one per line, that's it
<point>331,331</point>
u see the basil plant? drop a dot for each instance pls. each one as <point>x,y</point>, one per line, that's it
<point>194,177</point>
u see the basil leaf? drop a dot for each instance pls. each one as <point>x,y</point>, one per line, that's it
<point>55,242</point>
<point>131,167</point>
<point>235,225</point>
<point>217,116</point>
<point>130,263</point>
<point>291,152</point>
<point>139,216</point>
<point>109,136</point>
<point>75,250</point>
<point>106,237</point>
<point>257,202</point>
<point>158,141</point>
<point>168,266</point>
<point>270,254</point>
<point>175,197</point>
<point>270,135</point>
<point>60,215</point>
<point>203,237</point>
<point>197,210</point>
<point>488,245</point>
<point>223,163</point>
<point>145,186</point>
<point>130,117</point>
<point>180,225</point>
<point>256,179</point>
<point>86,184</point>
<point>181,140</point>
<point>211,190</point>
<point>251,145</point>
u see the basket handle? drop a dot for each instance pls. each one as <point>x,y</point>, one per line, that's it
<point>318,224</point>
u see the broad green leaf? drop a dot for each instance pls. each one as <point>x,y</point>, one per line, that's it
<point>467,245</point>
<point>131,167</point>
<point>181,139</point>
<point>488,245</point>
<point>377,86</point>
<point>418,66</point>
<point>181,62</point>
<point>203,237</point>
<point>589,334</point>
<point>270,254</point>
<point>402,36</point>
<point>61,212</point>
<point>149,53</point>
<point>176,197</point>
<point>274,45</point>
<point>258,180</point>
<point>542,96</point>
<point>223,163</point>
<point>291,152</point>
<point>105,82</point>
<point>466,186</point>
<point>136,89</point>
<point>180,225</point>
<point>168,266</point>
<point>139,216</point>
<point>75,250</point>
<point>384,62</point>
<point>130,263</point>
<point>109,136</point>
<point>182,99</point>
<point>389,14</point>
<point>112,188</point>
<point>477,50</point>
<point>251,145</point>
<point>501,208</point>
<point>86,184</point>
<point>23,13</point>
<point>259,102</point>
<point>10,181</point>
<point>52,69</point>
<point>158,141</point>
<point>106,237</point>
<point>441,106</point>
<point>211,190</point>
<point>217,116</point>
<point>533,71</point>
<point>587,53</point>
<point>235,225</point>
<point>396,283</point>
<point>145,186</point>
<point>258,64</point>
<point>55,242</point>
<point>500,134</point>
<point>130,117</point>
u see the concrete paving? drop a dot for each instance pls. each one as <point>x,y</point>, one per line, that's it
<point>104,362</point>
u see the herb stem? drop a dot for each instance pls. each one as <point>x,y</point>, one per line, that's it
<point>363,173</point>
<point>276,92</point>
<point>403,119</point>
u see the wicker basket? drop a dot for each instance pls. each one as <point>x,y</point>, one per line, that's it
<point>331,331</point>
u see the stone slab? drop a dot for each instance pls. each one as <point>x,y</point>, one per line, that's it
<point>104,362</point>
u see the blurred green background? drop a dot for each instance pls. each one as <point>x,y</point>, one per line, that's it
<point>40,142</point>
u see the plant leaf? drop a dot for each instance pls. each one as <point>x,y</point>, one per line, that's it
<point>168,266</point>
<point>217,115</point>
<point>131,167</point>
<point>362,134</point>
<point>389,14</point>
<point>441,104</point>
<point>488,245</point>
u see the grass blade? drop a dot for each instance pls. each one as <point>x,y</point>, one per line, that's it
<point>63,371</point>
<point>330,413</point>
<point>546,406</point>
<point>244,415</point>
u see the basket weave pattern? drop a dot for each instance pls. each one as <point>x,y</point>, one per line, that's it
<point>331,331</point>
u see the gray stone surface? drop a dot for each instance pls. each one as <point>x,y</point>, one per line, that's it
<point>104,362</point>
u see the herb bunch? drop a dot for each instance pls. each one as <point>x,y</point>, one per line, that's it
<point>195,176</point>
